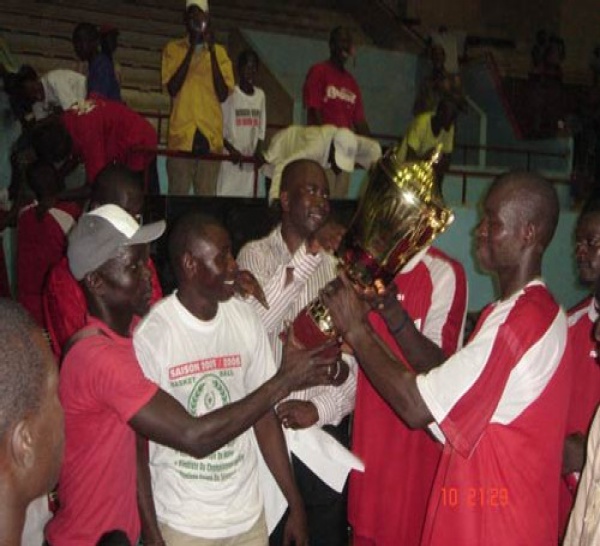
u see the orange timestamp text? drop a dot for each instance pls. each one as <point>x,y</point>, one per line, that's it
<point>475,497</point>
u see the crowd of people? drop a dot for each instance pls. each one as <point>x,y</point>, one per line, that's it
<point>197,417</point>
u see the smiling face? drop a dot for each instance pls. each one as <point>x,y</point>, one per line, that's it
<point>215,268</point>
<point>587,248</point>
<point>305,199</point>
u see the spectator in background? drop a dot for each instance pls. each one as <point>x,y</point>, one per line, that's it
<point>63,300</point>
<point>109,42</point>
<point>99,132</point>
<point>585,391</point>
<point>331,94</point>
<point>332,97</point>
<point>334,148</point>
<point>101,77</point>
<point>31,419</point>
<point>244,125</point>
<point>42,229</point>
<point>198,76</point>
<point>51,93</point>
<point>437,84</point>
<point>429,130</point>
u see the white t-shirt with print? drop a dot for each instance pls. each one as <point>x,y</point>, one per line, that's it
<point>205,365</point>
<point>244,124</point>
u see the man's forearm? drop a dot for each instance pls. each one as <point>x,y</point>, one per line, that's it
<point>165,421</point>
<point>272,444</point>
<point>151,534</point>
<point>393,382</point>
<point>176,82</point>
<point>219,84</point>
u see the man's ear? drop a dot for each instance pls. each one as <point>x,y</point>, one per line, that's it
<point>94,282</point>
<point>530,233</point>
<point>189,264</point>
<point>21,446</point>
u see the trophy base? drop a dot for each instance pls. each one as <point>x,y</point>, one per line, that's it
<point>307,331</point>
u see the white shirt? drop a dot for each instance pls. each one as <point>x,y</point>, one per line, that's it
<point>62,88</point>
<point>205,365</point>
<point>244,124</point>
<point>584,525</point>
<point>313,142</point>
<point>268,259</point>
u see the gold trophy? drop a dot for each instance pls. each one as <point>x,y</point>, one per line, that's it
<point>400,213</point>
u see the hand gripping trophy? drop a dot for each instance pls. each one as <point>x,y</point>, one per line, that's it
<point>400,213</point>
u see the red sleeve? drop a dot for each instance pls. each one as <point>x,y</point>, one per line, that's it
<point>313,88</point>
<point>114,375</point>
<point>64,306</point>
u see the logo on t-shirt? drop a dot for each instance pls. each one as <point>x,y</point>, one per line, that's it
<point>247,117</point>
<point>332,93</point>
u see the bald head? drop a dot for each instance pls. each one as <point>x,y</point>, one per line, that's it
<point>22,368</point>
<point>534,199</point>
<point>299,171</point>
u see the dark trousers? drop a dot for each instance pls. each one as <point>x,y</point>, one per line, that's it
<point>326,509</point>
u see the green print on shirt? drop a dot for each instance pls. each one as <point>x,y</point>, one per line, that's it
<point>209,393</point>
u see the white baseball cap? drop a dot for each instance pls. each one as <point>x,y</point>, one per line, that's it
<point>202,4</point>
<point>345,145</point>
<point>99,235</point>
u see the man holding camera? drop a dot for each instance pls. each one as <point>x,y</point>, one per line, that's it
<point>198,75</point>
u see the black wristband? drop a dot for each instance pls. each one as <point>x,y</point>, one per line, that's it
<point>396,329</point>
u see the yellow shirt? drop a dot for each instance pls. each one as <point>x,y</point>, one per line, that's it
<point>421,139</point>
<point>196,106</point>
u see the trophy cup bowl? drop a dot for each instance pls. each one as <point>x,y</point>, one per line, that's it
<point>400,213</point>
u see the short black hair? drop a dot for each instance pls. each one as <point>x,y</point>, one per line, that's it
<point>43,179</point>
<point>112,181</point>
<point>51,141</point>
<point>244,56</point>
<point>16,82</point>
<point>22,368</point>
<point>86,31</point>
<point>189,227</point>
<point>334,33</point>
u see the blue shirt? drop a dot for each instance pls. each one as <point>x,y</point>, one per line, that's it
<point>102,79</point>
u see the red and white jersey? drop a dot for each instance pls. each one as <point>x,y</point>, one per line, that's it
<point>501,403</point>
<point>388,502</point>
<point>585,391</point>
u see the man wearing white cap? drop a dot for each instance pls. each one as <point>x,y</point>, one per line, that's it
<point>107,399</point>
<point>198,75</point>
<point>336,148</point>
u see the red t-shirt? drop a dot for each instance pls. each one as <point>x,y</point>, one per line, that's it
<point>335,94</point>
<point>65,307</point>
<point>501,404</point>
<point>101,388</point>
<point>104,131</point>
<point>388,502</point>
<point>41,243</point>
<point>585,393</point>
